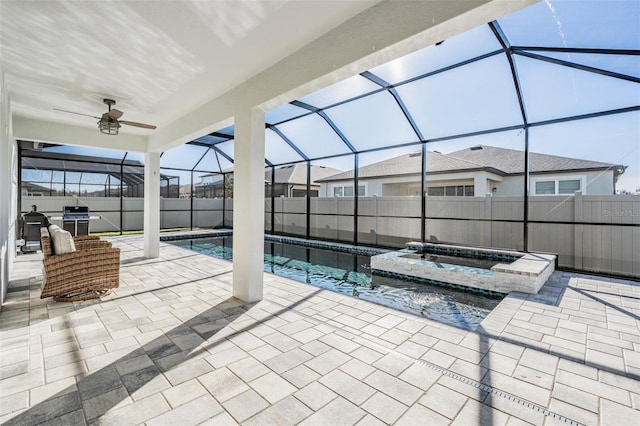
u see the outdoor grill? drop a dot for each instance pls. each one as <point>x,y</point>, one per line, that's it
<point>75,219</point>
<point>31,224</point>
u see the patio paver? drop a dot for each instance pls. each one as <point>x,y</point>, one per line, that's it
<point>172,346</point>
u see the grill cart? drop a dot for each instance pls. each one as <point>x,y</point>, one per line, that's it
<point>75,219</point>
<point>30,229</point>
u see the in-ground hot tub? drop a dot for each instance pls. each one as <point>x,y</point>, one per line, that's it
<point>487,270</point>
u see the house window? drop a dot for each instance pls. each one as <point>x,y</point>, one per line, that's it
<point>451,191</point>
<point>568,186</point>
<point>436,191</point>
<point>303,193</point>
<point>347,191</point>
<point>546,187</point>
<point>559,186</point>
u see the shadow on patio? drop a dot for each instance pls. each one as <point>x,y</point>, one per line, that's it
<point>151,365</point>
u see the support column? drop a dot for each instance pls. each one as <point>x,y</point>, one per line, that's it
<point>308,202</point>
<point>248,206</point>
<point>525,221</point>
<point>356,166</point>
<point>121,195</point>
<point>151,204</point>
<point>423,193</point>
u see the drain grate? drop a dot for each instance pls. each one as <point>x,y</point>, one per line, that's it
<point>485,388</point>
<point>443,371</point>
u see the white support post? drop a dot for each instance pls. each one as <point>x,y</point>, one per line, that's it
<point>248,206</point>
<point>488,215</point>
<point>151,204</point>
<point>578,229</point>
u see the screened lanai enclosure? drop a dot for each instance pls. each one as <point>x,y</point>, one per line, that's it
<point>523,134</point>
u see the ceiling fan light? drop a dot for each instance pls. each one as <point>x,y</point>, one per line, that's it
<point>109,127</point>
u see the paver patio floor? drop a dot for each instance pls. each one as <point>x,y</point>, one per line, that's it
<point>172,346</point>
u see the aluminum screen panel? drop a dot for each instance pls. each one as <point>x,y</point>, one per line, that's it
<point>349,88</point>
<point>373,121</point>
<point>210,140</point>
<point>283,113</point>
<point>622,64</point>
<point>209,162</point>
<point>475,97</point>
<point>226,147</point>
<point>467,45</point>
<point>553,91</point>
<point>594,24</point>
<point>182,157</point>
<point>277,151</point>
<point>313,136</point>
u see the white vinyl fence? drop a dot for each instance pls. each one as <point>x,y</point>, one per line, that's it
<point>174,212</point>
<point>611,246</point>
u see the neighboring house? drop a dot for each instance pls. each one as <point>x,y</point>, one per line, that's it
<point>30,189</point>
<point>290,181</point>
<point>185,191</point>
<point>477,171</point>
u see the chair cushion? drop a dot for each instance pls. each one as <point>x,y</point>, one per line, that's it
<point>62,241</point>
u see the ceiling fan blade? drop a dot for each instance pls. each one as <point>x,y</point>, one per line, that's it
<point>115,113</point>
<point>135,124</point>
<point>78,113</point>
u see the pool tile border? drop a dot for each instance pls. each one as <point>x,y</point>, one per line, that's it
<point>326,245</point>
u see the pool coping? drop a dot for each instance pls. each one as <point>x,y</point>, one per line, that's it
<point>326,245</point>
<point>344,248</point>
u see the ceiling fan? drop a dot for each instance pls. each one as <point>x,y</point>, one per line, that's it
<point>109,123</point>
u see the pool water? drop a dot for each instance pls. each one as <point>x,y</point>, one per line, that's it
<point>438,259</point>
<point>350,274</point>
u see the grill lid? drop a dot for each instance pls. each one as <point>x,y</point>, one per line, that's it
<point>76,211</point>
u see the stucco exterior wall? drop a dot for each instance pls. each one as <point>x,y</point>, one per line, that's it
<point>8,190</point>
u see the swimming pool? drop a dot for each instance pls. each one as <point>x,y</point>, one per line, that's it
<point>350,274</point>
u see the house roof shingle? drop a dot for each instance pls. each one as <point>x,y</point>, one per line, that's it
<point>408,164</point>
<point>511,161</point>
<point>501,161</point>
<point>297,173</point>
<point>294,174</point>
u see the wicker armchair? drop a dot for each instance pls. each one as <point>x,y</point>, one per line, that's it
<point>91,271</point>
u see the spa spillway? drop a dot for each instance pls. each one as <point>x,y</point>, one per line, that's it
<point>485,270</point>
